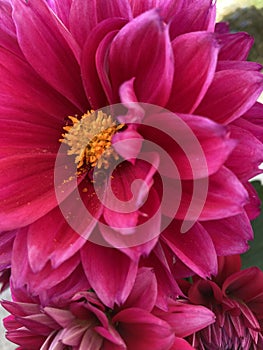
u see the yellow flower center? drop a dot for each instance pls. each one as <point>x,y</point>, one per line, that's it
<point>89,139</point>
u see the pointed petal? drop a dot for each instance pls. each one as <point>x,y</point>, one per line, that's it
<point>184,246</point>
<point>142,49</point>
<point>194,16</point>
<point>91,80</point>
<point>225,102</point>
<point>187,319</point>
<point>230,235</point>
<point>85,15</point>
<point>39,283</point>
<point>144,292</point>
<point>144,331</point>
<point>110,273</point>
<point>195,58</point>
<point>46,36</point>
<point>248,146</point>
<point>234,46</point>
<point>197,145</point>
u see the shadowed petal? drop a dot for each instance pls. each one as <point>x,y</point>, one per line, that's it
<point>110,273</point>
<point>87,15</point>
<point>200,255</point>
<point>143,331</point>
<point>40,22</point>
<point>195,58</point>
<point>230,95</point>
<point>142,49</point>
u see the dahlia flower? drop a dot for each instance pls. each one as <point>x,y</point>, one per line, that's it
<point>62,60</point>
<point>236,299</point>
<point>85,323</point>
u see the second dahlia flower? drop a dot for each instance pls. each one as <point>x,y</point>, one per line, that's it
<point>236,299</point>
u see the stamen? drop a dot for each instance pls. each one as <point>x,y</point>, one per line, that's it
<point>89,138</point>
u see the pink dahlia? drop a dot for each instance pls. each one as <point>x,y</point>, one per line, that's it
<point>236,299</point>
<point>85,323</point>
<point>63,59</point>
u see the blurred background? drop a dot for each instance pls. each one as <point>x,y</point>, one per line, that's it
<point>242,15</point>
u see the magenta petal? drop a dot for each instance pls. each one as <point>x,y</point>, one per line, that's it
<point>39,283</point>
<point>85,15</point>
<point>195,58</point>
<point>225,102</point>
<point>230,235</point>
<point>142,49</point>
<point>6,245</point>
<point>33,173</point>
<point>252,121</point>
<point>18,81</point>
<point>143,331</point>
<point>187,319</point>
<point>127,192</point>
<point>194,16</point>
<point>144,292</point>
<point>234,46</point>
<point>167,8</point>
<point>91,80</point>
<point>43,26</point>
<point>61,244</point>
<point>181,344</point>
<point>62,9</point>
<point>253,207</point>
<point>242,65</point>
<point>110,273</point>
<point>249,146</point>
<point>8,38</point>
<point>200,255</point>
<point>197,145</point>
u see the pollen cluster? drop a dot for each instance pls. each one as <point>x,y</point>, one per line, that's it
<point>89,138</point>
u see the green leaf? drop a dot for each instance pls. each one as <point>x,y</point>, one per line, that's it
<point>254,256</point>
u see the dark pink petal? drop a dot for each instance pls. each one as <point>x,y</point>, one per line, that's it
<point>167,285</point>
<point>143,331</point>
<point>197,16</point>
<point>200,255</point>
<point>167,8</point>
<point>197,145</point>
<point>234,46</point>
<point>230,95</point>
<point>144,292</point>
<point>62,9</point>
<point>44,107</point>
<point>254,204</point>
<point>26,188</point>
<point>39,283</point>
<point>126,193</point>
<point>249,146</point>
<point>110,273</point>
<point>91,80</point>
<point>44,29</point>
<point>239,284</point>
<point>186,319</point>
<point>221,195</point>
<point>181,344</point>
<point>230,235</point>
<point>85,15</point>
<point>6,246</point>
<point>227,265</point>
<point>195,58</point>
<point>60,245</point>
<point>242,65</point>
<point>142,50</point>
<point>67,232</point>
<point>8,38</point>
<point>252,121</point>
